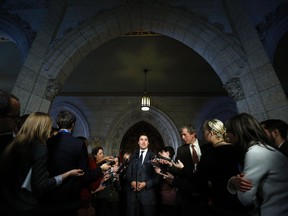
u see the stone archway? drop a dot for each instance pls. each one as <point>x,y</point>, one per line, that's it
<point>130,139</point>
<point>224,55</point>
<point>19,33</point>
<point>154,117</point>
<point>81,127</point>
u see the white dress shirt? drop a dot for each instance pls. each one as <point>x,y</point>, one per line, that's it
<point>197,149</point>
<point>144,153</point>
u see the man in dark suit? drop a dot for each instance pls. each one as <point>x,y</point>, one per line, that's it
<point>66,152</point>
<point>142,179</point>
<point>192,190</point>
<point>9,113</point>
<point>277,130</point>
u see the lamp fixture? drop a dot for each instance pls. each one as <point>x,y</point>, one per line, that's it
<point>145,101</point>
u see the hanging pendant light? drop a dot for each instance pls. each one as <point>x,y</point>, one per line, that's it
<point>145,101</point>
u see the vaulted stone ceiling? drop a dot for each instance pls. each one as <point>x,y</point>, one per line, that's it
<point>116,67</point>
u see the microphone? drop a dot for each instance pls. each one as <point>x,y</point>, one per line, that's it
<point>123,166</point>
<point>159,157</point>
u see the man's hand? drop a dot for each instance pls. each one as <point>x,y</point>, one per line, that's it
<point>241,183</point>
<point>105,167</point>
<point>178,164</point>
<point>100,188</point>
<point>141,186</point>
<point>134,185</point>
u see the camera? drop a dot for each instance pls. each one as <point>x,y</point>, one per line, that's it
<point>110,162</point>
<point>123,166</point>
<point>110,174</point>
<point>156,162</point>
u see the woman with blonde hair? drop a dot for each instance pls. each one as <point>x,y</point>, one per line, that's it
<point>24,175</point>
<point>218,166</point>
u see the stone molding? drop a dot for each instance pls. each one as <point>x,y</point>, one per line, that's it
<point>234,88</point>
<point>53,87</point>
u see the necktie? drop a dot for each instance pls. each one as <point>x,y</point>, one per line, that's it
<point>141,158</point>
<point>194,154</point>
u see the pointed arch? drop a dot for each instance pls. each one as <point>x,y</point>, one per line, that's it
<point>126,120</point>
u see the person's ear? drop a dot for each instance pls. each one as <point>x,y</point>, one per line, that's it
<point>275,132</point>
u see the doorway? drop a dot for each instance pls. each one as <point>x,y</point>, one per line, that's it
<point>129,142</point>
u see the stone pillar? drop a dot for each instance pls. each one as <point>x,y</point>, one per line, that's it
<point>32,85</point>
<point>262,95</point>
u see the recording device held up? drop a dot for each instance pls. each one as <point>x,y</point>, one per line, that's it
<point>157,161</point>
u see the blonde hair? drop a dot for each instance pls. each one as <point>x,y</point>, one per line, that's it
<point>216,126</point>
<point>36,127</point>
<point>18,155</point>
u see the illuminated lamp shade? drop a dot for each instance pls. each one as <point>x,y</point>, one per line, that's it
<point>145,101</point>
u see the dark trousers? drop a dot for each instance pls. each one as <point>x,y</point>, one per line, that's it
<point>137,209</point>
<point>193,206</point>
<point>169,210</point>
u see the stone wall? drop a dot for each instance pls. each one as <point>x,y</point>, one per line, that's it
<point>106,119</point>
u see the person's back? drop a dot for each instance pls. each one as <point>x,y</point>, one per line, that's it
<point>22,184</point>
<point>66,152</point>
<point>265,168</point>
<point>270,179</point>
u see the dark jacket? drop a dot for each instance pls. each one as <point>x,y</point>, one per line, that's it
<point>189,184</point>
<point>66,152</point>
<point>19,201</point>
<point>284,148</point>
<point>144,173</point>
<point>5,139</point>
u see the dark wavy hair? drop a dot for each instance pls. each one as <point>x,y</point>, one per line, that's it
<point>248,131</point>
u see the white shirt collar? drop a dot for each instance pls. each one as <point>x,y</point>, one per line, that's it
<point>144,153</point>
<point>281,144</point>
<point>197,148</point>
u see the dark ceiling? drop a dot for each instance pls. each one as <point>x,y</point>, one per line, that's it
<point>116,68</point>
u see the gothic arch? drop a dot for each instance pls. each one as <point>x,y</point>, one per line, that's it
<point>124,121</point>
<point>81,127</point>
<point>273,28</point>
<point>225,57</point>
<point>18,33</point>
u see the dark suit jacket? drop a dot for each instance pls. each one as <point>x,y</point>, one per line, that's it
<point>145,173</point>
<point>66,152</point>
<point>188,183</point>
<point>5,139</point>
<point>20,201</point>
<point>284,148</point>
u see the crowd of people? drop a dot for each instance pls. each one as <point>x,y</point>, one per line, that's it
<point>238,168</point>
